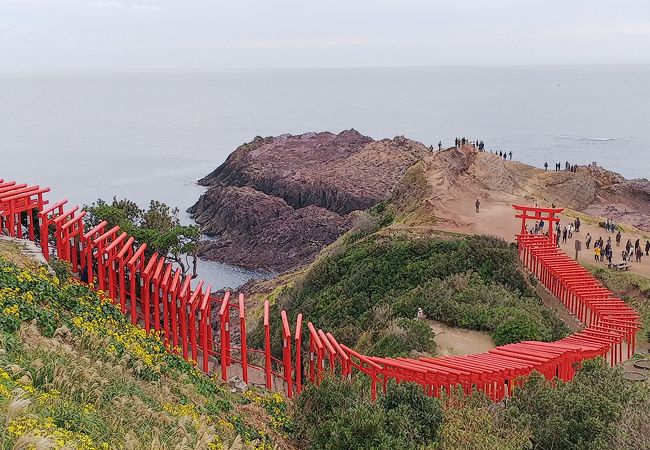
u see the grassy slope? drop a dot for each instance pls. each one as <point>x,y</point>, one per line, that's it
<point>74,372</point>
<point>633,288</point>
<point>368,291</point>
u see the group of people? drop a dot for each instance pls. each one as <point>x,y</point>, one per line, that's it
<point>635,251</point>
<point>504,155</point>
<point>567,167</point>
<point>610,227</point>
<point>479,145</point>
<point>604,250</point>
<point>567,231</point>
<point>601,250</point>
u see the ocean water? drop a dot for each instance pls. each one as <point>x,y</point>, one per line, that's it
<point>152,135</point>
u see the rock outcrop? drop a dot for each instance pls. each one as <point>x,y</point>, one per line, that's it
<point>277,201</point>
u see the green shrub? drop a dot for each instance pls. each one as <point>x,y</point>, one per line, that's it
<point>339,415</point>
<point>473,282</point>
<point>581,414</point>
<point>62,268</point>
<point>403,336</point>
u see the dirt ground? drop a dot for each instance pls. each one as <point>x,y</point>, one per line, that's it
<point>458,341</point>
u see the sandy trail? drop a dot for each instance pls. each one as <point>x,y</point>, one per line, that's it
<point>496,218</point>
<point>498,185</point>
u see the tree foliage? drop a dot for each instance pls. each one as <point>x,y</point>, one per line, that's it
<point>339,415</point>
<point>584,413</point>
<point>158,226</point>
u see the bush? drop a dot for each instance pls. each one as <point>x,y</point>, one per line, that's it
<point>581,414</point>
<point>472,282</point>
<point>62,268</point>
<point>404,336</point>
<point>339,415</point>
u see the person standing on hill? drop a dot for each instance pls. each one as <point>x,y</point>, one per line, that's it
<point>546,167</point>
<point>478,205</point>
<point>647,248</point>
<point>618,239</point>
<point>510,154</point>
<point>439,145</point>
<point>588,240</point>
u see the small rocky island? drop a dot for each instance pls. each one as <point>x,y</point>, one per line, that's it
<point>277,201</point>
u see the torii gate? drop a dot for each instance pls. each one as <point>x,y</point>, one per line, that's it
<point>538,213</point>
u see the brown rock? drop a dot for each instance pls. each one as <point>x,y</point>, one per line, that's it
<point>276,202</point>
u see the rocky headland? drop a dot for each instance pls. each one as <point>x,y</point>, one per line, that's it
<point>277,201</point>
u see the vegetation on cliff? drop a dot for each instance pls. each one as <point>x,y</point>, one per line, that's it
<point>631,287</point>
<point>75,374</point>
<point>368,290</point>
<point>596,410</point>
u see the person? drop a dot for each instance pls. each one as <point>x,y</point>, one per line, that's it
<point>630,253</point>
<point>564,234</point>
<point>504,156</point>
<point>608,252</point>
<point>431,147</point>
<point>637,244</point>
<point>510,155</point>
<point>83,276</point>
<point>577,223</point>
<point>478,205</point>
<point>596,253</point>
<point>618,239</point>
<point>647,248</point>
<point>639,254</point>
<point>500,154</point>
<point>439,145</point>
<point>588,240</point>
<point>545,166</point>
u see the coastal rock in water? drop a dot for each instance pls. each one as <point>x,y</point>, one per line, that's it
<point>276,202</point>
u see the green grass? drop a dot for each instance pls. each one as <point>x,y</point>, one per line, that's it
<point>75,373</point>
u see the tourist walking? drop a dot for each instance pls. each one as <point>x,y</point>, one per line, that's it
<point>618,239</point>
<point>545,166</point>
<point>588,240</point>
<point>647,248</point>
<point>439,145</point>
<point>478,205</point>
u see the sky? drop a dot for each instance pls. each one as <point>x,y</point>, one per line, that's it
<point>42,35</point>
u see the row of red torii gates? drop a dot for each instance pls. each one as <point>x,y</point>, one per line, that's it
<point>156,295</point>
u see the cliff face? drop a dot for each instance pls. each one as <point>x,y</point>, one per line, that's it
<point>276,201</point>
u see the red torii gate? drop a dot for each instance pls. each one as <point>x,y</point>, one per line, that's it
<point>538,213</point>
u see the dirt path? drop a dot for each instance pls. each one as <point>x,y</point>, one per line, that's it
<point>496,218</point>
<point>458,341</point>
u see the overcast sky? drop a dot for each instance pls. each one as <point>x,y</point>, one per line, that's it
<point>211,34</point>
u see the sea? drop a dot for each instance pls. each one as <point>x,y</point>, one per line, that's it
<point>150,135</point>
